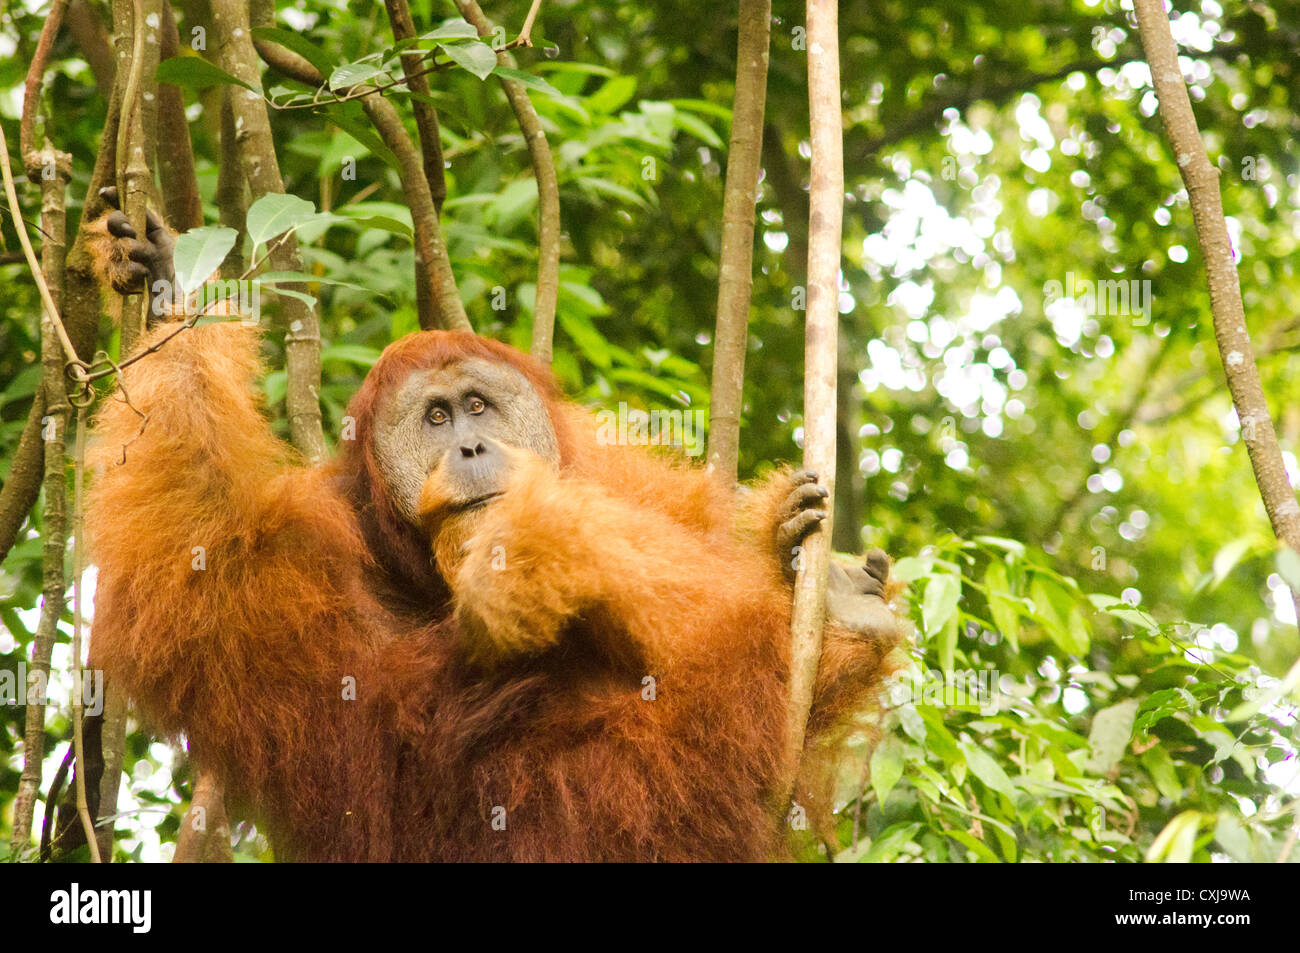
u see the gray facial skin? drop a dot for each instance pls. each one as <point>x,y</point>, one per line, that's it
<point>457,417</point>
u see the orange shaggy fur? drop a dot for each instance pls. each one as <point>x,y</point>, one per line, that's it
<point>516,686</point>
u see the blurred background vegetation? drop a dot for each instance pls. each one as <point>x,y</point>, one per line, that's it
<point>1067,492</point>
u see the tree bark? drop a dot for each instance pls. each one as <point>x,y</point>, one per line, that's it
<point>1230,331</point>
<point>204,836</point>
<point>826,204</point>
<point>234,45</point>
<point>54,525</point>
<point>548,190</point>
<point>136,141</point>
<point>736,261</point>
<point>180,185</point>
<point>91,36</point>
<point>426,117</point>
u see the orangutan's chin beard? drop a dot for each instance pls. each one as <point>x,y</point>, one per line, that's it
<point>451,528</point>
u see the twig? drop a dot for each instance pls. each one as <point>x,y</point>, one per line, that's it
<point>51,309</point>
<point>78,575</point>
<point>548,187</point>
<point>736,260</point>
<point>35,79</point>
<point>525,37</point>
<point>1230,331</point>
<point>826,205</point>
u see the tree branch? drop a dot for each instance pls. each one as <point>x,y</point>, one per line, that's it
<point>437,298</point>
<point>1230,332</point>
<point>426,117</point>
<point>826,204</point>
<point>180,185</point>
<point>35,79</point>
<point>54,524</point>
<point>736,260</point>
<point>233,39</point>
<point>91,36</point>
<point>548,186</point>
<point>205,832</point>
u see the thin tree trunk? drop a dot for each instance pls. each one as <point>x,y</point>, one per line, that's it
<point>736,261</point>
<point>826,205</point>
<point>426,117</point>
<point>23,484</point>
<point>180,186</point>
<point>548,187</point>
<point>136,141</point>
<point>234,42</point>
<point>232,190</point>
<point>1230,332</point>
<point>54,525</point>
<point>847,533</point>
<point>204,836</point>
<point>91,36</point>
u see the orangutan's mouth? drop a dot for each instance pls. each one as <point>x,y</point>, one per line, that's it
<point>475,504</point>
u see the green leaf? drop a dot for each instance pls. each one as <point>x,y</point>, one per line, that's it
<point>351,354</point>
<point>350,74</point>
<point>886,767</point>
<point>940,602</point>
<point>478,58</point>
<point>305,298</point>
<point>1112,728</point>
<point>1050,599</point>
<point>1013,546</point>
<point>302,277</point>
<point>199,252</point>
<point>984,767</point>
<point>969,841</point>
<point>886,847</point>
<point>1161,768</point>
<point>194,72</point>
<point>912,568</point>
<point>347,117</point>
<point>1002,605</point>
<point>947,644</point>
<point>612,95</point>
<point>1233,838</point>
<point>696,127</point>
<point>274,214</point>
<point>455,28</point>
<point>1176,843</point>
<point>528,80</point>
<point>1226,559</point>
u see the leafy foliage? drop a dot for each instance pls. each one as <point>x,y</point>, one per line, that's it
<point>1068,486</point>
